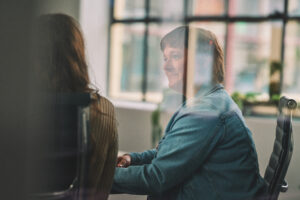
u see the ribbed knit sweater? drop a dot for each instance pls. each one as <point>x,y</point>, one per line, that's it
<point>104,142</point>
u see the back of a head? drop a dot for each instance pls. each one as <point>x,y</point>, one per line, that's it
<point>61,58</point>
<point>60,68</point>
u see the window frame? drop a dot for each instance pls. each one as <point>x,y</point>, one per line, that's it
<point>282,17</point>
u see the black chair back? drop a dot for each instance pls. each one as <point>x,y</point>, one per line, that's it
<point>282,150</point>
<point>60,165</point>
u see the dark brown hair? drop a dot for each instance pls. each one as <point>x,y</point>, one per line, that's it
<point>61,54</point>
<point>178,38</point>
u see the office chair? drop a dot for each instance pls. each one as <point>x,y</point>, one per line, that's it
<point>60,166</point>
<point>282,150</point>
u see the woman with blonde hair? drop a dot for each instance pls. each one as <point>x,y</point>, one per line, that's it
<point>207,151</point>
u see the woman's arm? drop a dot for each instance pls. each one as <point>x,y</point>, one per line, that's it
<point>134,158</point>
<point>142,158</point>
<point>104,186</point>
<point>104,140</point>
<point>181,153</point>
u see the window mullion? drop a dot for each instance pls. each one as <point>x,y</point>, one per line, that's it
<point>145,52</point>
<point>285,16</point>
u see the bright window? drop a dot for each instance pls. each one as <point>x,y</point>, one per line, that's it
<point>254,34</point>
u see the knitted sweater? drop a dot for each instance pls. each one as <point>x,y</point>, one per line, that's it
<point>104,142</point>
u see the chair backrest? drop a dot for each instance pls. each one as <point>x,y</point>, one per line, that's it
<point>282,150</point>
<point>61,163</point>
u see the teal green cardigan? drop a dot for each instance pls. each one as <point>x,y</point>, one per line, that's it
<point>207,152</point>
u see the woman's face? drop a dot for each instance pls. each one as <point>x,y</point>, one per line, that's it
<point>174,67</point>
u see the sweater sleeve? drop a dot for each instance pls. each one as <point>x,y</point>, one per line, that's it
<point>181,153</point>
<point>104,141</point>
<point>142,158</point>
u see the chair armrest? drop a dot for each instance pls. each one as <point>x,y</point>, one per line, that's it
<point>284,186</point>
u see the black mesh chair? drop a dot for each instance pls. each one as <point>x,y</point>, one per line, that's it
<point>61,148</point>
<point>282,150</point>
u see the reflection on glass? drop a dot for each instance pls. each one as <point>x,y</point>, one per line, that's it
<point>218,28</point>
<point>167,9</point>
<point>206,7</point>
<point>129,9</point>
<point>254,7</point>
<point>156,80</point>
<point>201,54</point>
<point>294,7</point>
<point>126,60</point>
<point>248,53</point>
<point>291,80</point>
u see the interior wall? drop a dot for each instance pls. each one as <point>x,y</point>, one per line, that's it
<point>94,20</point>
<point>16,18</point>
<point>69,7</point>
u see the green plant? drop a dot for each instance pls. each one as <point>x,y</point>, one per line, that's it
<point>156,127</point>
<point>251,96</point>
<point>238,98</point>
<point>275,98</point>
<point>275,74</point>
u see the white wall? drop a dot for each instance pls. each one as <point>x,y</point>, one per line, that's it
<point>69,7</point>
<point>94,20</point>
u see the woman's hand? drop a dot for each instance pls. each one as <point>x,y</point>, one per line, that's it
<point>124,161</point>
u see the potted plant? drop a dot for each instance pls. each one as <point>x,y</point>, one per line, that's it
<point>274,84</point>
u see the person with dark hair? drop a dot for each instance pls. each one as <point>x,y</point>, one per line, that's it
<point>207,151</point>
<point>62,69</point>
